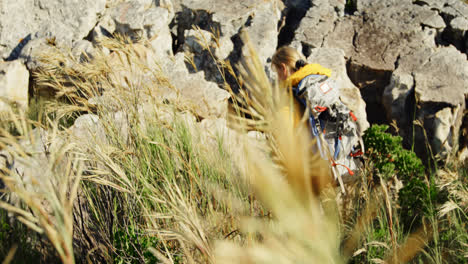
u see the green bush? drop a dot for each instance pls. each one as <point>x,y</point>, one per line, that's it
<point>26,247</point>
<point>388,156</point>
<point>133,246</point>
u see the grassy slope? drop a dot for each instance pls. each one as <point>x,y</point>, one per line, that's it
<point>150,193</point>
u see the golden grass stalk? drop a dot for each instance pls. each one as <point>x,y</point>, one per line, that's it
<point>48,200</point>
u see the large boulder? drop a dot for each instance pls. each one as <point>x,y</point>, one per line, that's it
<point>14,85</point>
<point>226,19</point>
<point>192,91</point>
<point>138,20</point>
<point>429,86</point>
<point>63,22</point>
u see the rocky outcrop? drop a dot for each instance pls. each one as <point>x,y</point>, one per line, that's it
<point>393,59</point>
<point>177,85</point>
<point>193,92</point>
<point>372,40</point>
<point>455,15</point>
<point>14,85</point>
<point>225,19</point>
<point>430,86</point>
<point>25,20</point>
<point>138,20</point>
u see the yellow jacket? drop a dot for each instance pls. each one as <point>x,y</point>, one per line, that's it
<point>294,80</point>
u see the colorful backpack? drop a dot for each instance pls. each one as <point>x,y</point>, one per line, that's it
<point>332,123</point>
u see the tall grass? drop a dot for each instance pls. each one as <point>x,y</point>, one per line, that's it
<point>146,181</point>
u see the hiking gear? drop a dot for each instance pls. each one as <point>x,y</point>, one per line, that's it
<point>299,64</point>
<point>305,71</point>
<point>331,121</point>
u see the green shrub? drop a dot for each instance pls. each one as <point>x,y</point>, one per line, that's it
<point>133,246</point>
<point>388,156</point>
<point>26,247</point>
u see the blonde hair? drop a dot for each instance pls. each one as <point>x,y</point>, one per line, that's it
<point>288,56</point>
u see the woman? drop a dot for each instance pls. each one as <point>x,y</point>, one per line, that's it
<point>311,89</point>
<point>292,69</point>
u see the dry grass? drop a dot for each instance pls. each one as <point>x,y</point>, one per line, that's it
<point>152,187</point>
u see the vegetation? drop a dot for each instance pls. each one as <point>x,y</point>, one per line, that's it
<point>156,187</point>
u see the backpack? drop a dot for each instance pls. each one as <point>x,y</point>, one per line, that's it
<point>332,123</point>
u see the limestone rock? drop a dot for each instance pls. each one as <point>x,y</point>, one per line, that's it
<point>458,33</point>
<point>460,24</point>
<point>452,9</point>
<point>130,71</point>
<point>34,49</point>
<point>443,78</point>
<point>226,19</point>
<point>262,30</point>
<point>455,14</point>
<point>396,96</point>
<point>443,138</point>
<point>318,22</point>
<point>437,4</point>
<point>139,21</point>
<point>203,52</point>
<point>432,19</point>
<point>194,92</point>
<point>83,50</point>
<point>104,29</point>
<point>14,85</point>
<point>376,37</point>
<point>66,22</point>
<point>436,81</point>
<point>181,88</point>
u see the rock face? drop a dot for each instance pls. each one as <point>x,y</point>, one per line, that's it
<point>138,20</point>
<point>430,86</point>
<point>394,60</point>
<point>186,90</point>
<point>24,20</point>
<point>372,40</point>
<point>14,85</point>
<point>205,98</point>
<point>225,19</point>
